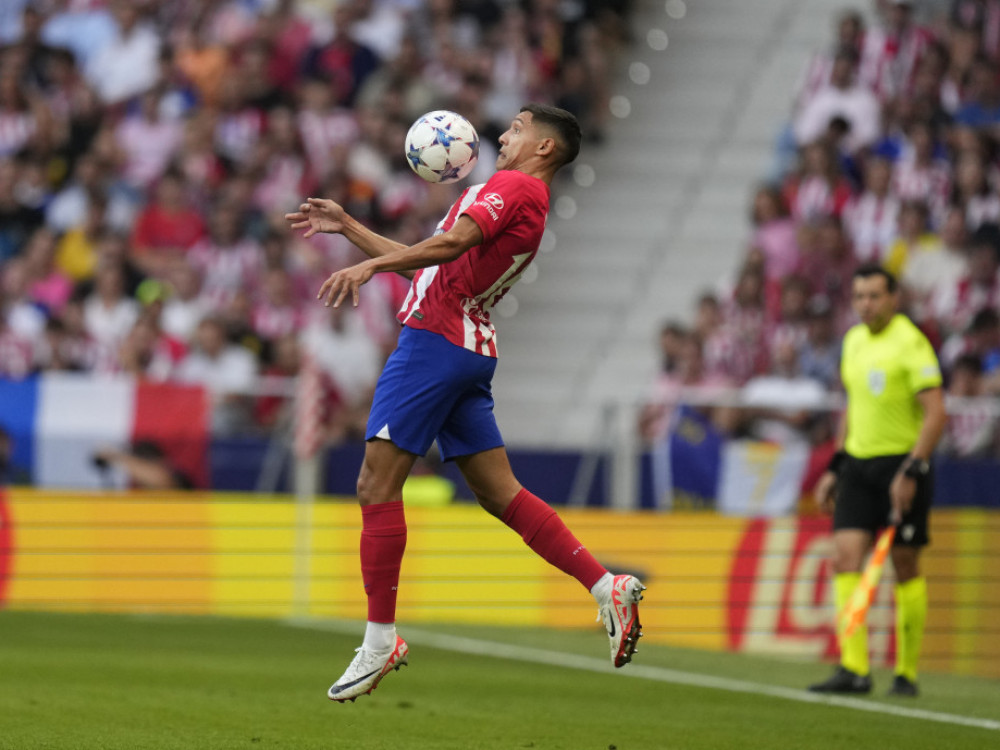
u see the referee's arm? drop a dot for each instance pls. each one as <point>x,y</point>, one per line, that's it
<point>904,486</point>
<point>935,419</point>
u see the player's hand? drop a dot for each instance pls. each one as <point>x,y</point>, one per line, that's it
<point>318,215</point>
<point>901,493</point>
<point>826,492</point>
<point>345,282</point>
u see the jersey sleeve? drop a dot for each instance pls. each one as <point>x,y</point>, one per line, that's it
<point>922,369</point>
<point>496,204</point>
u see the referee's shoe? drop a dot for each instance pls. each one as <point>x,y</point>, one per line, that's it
<point>844,681</point>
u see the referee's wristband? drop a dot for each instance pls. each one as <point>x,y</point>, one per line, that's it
<point>837,462</point>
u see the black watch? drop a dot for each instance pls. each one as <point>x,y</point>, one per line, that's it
<point>916,468</point>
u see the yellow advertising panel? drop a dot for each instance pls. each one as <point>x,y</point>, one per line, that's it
<point>714,582</point>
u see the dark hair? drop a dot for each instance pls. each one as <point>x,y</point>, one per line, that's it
<point>565,125</point>
<point>969,362</point>
<point>868,270</point>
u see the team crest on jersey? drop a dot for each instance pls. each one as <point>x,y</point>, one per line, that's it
<point>876,382</point>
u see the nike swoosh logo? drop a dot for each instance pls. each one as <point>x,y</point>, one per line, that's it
<point>355,682</point>
<point>613,630</point>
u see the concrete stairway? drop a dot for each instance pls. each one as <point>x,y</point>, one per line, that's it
<point>665,216</point>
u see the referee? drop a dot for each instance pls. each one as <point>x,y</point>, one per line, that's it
<point>881,471</point>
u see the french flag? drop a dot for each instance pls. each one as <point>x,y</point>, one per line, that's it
<point>58,421</point>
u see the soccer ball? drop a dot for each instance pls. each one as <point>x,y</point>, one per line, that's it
<point>442,146</point>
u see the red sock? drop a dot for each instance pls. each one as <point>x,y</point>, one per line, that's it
<point>383,540</point>
<point>541,529</point>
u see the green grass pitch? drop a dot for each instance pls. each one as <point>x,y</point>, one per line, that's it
<point>81,682</point>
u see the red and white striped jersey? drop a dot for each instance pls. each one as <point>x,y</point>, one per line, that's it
<point>454,299</point>
<point>871,222</point>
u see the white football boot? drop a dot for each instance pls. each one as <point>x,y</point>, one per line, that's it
<point>620,615</point>
<point>366,671</point>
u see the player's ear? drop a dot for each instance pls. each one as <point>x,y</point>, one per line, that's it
<point>546,146</point>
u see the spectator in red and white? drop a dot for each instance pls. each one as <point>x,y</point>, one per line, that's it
<point>922,171</point>
<point>738,349</point>
<point>774,232</point>
<point>849,34</point>
<point>940,267</point>
<point>280,166</point>
<point>184,307</point>
<point>828,263</point>
<point>327,131</point>
<point>129,63</point>
<point>819,188</point>
<point>284,360</point>
<point>149,140</point>
<point>227,370</point>
<point>197,161</point>
<point>227,259</point>
<point>969,432</point>
<point>956,305</point>
<point>914,237</point>
<point>871,217</point>
<point>347,355</point>
<point>893,49</point>
<point>24,119</point>
<point>238,124</point>
<point>167,227</point>
<point>707,316</point>
<point>791,326</point>
<point>278,310</point>
<point>109,314</point>
<point>289,34</point>
<point>148,351</point>
<point>844,98</point>
<point>972,191</point>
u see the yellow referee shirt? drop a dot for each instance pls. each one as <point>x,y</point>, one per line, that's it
<point>882,374</point>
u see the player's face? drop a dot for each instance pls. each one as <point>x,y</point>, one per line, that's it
<point>518,143</point>
<point>873,302</point>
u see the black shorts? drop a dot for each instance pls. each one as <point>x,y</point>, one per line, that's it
<point>863,499</point>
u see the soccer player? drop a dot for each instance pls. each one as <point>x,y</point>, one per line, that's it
<point>437,382</point>
<point>881,472</point>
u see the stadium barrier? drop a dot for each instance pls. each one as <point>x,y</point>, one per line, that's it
<point>715,582</point>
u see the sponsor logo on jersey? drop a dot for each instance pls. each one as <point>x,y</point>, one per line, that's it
<point>492,202</point>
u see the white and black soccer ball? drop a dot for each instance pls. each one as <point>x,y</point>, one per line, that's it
<point>442,146</point>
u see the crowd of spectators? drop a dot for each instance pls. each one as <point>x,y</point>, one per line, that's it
<point>149,150</point>
<point>891,155</point>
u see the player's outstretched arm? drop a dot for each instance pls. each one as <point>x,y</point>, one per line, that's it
<point>318,215</point>
<point>433,251</point>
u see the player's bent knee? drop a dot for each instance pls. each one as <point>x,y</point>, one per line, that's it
<point>492,505</point>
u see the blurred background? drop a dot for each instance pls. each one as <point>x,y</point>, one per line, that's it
<point>181,425</point>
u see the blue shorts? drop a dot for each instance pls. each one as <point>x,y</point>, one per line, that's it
<point>430,388</point>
